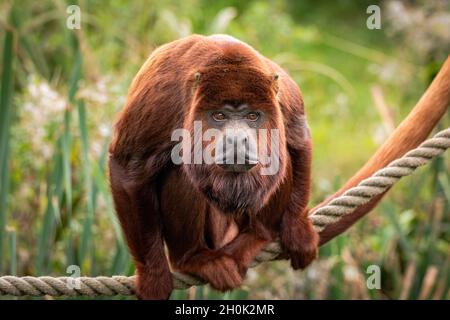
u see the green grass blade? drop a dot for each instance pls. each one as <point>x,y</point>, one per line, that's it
<point>75,77</point>
<point>51,215</point>
<point>13,252</point>
<point>66,146</point>
<point>404,241</point>
<point>6,92</point>
<point>36,56</point>
<point>102,185</point>
<point>89,219</point>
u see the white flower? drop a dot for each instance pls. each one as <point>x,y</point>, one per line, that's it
<point>105,130</point>
<point>42,105</point>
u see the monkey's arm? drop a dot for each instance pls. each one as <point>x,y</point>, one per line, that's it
<point>137,208</point>
<point>297,234</point>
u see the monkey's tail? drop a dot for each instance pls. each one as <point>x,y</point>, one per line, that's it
<point>413,130</point>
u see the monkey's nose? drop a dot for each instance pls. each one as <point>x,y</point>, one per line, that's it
<point>237,139</point>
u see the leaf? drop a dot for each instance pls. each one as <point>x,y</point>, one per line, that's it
<point>6,92</point>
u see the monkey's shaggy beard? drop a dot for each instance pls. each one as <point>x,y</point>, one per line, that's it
<point>232,192</point>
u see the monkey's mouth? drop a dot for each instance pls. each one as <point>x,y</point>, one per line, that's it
<point>241,165</point>
<point>239,168</point>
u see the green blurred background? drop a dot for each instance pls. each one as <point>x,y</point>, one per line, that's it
<point>61,88</point>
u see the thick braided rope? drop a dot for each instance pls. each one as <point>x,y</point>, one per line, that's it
<point>380,181</point>
<point>329,214</point>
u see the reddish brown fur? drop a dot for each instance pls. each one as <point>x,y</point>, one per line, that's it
<point>189,206</point>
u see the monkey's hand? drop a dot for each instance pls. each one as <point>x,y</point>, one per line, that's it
<point>153,284</point>
<point>300,241</point>
<point>246,246</point>
<point>223,273</point>
<point>215,267</point>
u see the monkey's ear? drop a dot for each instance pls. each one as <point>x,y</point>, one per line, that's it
<point>275,78</point>
<point>197,77</point>
<point>195,80</point>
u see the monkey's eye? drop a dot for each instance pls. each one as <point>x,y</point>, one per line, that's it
<point>219,116</point>
<point>253,116</point>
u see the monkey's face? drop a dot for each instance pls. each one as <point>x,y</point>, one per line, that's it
<point>236,144</point>
<point>236,126</point>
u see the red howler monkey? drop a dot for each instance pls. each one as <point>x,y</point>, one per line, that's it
<point>216,217</point>
<point>197,209</point>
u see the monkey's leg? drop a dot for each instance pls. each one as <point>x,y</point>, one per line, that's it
<point>137,209</point>
<point>214,266</point>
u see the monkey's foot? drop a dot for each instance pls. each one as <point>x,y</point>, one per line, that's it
<point>301,243</point>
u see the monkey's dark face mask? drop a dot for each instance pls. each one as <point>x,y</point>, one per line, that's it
<point>235,180</point>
